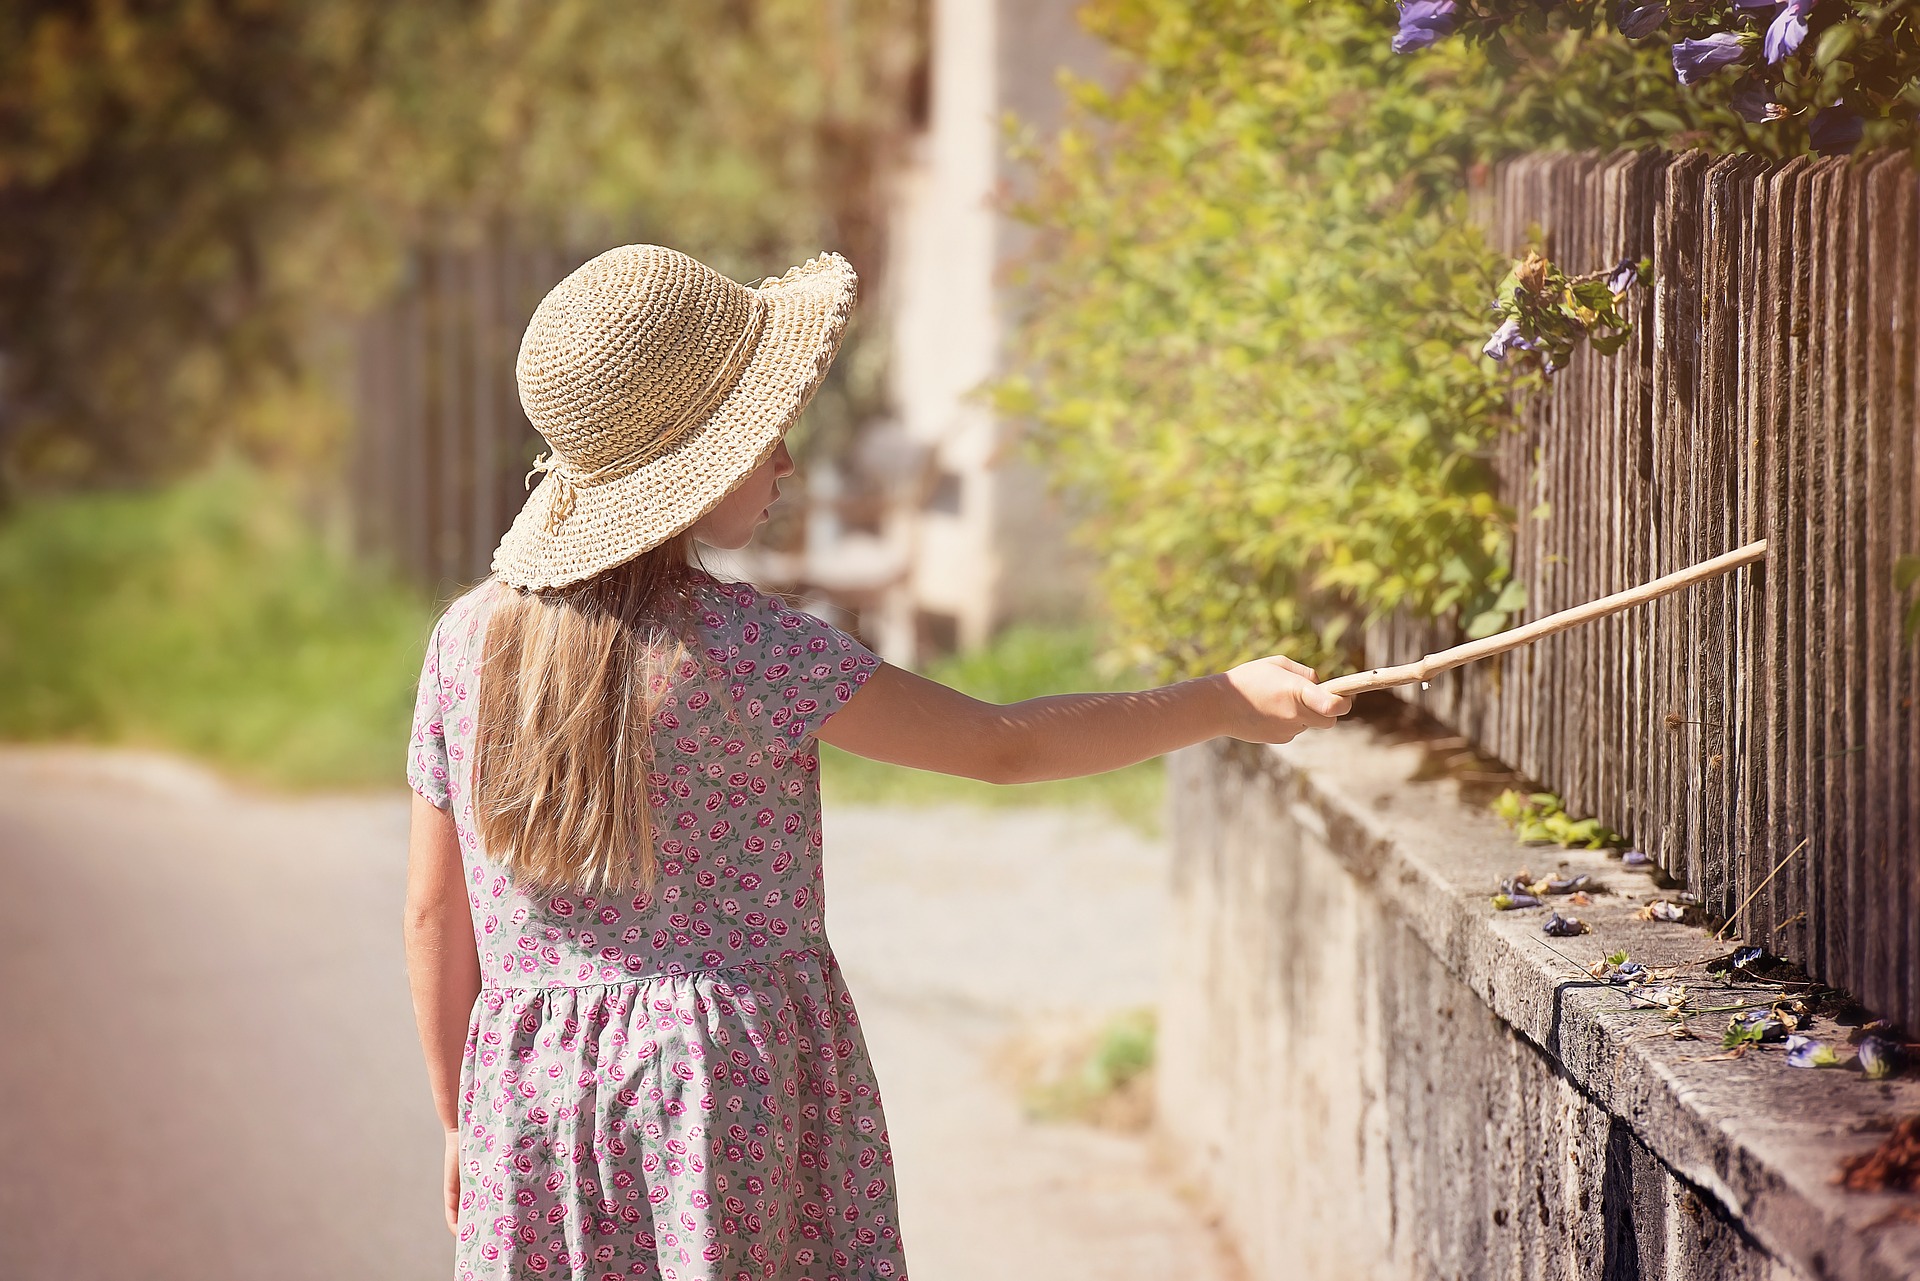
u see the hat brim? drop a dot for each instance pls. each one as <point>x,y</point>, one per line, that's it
<point>613,522</point>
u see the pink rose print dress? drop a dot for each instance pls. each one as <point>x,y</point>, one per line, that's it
<point>673,1084</point>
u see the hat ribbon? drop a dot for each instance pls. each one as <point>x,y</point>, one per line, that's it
<point>567,483</point>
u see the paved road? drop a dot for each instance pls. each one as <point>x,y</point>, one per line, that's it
<point>207,1064</point>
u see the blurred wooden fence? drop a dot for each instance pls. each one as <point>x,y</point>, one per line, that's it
<point>441,448</point>
<point>1768,391</point>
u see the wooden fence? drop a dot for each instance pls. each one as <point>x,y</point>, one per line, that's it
<point>1768,391</point>
<point>441,447</point>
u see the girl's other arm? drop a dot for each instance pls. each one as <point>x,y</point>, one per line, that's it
<point>443,969</point>
<point>908,720</point>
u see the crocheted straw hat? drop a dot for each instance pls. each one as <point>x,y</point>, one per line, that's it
<point>660,385</point>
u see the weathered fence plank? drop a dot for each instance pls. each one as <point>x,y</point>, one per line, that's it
<point>1769,391</point>
<point>442,446</point>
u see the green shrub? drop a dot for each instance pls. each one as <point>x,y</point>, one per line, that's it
<point>1258,302</point>
<point>209,619</point>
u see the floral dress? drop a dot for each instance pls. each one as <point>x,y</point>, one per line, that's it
<point>672,1083</point>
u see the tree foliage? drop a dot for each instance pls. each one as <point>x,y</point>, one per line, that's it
<point>188,188</point>
<point>147,154</point>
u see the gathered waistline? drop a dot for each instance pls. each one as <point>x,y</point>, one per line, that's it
<point>633,980</point>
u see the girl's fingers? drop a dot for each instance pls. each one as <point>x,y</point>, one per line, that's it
<point>1325,704</point>
<point>1298,669</point>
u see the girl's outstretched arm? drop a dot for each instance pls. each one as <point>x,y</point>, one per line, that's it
<point>909,720</point>
<point>443,968</point>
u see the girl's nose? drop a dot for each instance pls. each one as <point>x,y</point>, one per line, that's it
<point>782,462</point>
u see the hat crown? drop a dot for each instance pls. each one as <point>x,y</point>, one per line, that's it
<point>628,351</point>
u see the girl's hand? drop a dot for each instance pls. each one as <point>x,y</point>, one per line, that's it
<point>453,1182</point>
<point>1275,698</point>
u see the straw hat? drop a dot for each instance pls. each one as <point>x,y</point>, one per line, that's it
<point>659,385</point>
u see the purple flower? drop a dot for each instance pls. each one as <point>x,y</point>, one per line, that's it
<point>1697,59</point>
<point>1636,858</point>
<point>1623,277</point>
<point>1789,29</point>
<point>1805,1052</point>
<point>1638,21</point>
<point>1834,131</point>
<point>1421,23</point>
<point>1879,1057</point>
<point>1753,103</point>
<point>1559,926</point>
<point>1507,338</point>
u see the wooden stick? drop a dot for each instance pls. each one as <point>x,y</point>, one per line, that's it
<point>1447,659</point>
<point>1717,934</point>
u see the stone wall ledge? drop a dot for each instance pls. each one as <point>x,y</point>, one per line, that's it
<point>1759,1137</point>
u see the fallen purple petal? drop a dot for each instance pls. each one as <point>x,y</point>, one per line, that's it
<point>1567,884</point>
<point>1636,858</point>
<point>1879,1057</point>
<point>1629,972</point>
<point>1805,1052</point>
<point>1562,926</point>
<point>1746,960</point>
<point>1695,60</point>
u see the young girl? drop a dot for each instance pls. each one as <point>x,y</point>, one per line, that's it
<point>636,1034</point>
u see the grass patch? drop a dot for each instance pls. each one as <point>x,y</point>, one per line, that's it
<point>212,619</point>
<point>1023,662</point>
<point>1095,1076</point>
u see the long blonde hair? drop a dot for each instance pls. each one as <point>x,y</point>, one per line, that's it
<point>569,684</point>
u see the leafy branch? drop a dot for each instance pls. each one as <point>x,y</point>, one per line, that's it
<point>1546,313</point>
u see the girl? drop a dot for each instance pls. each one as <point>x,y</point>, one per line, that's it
<point>636,1035</point>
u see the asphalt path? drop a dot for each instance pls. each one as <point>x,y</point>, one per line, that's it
<point>208,1067</point>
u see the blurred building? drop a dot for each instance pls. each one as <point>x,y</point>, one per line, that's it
<point>935,531</point>
<point>926,530</point>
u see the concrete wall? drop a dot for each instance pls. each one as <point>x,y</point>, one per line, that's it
<point>1355,1065</point>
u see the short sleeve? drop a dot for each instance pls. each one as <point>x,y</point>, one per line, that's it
<point>789,672</point>
<point>427,754</point>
